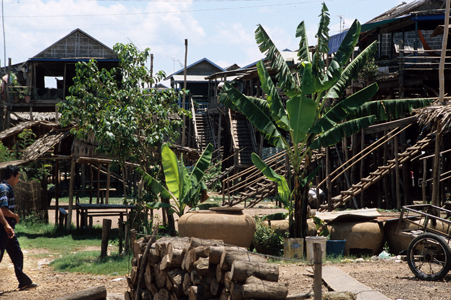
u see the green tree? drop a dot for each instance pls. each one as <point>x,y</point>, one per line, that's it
<point>313,117</point>
<point>128,118</point>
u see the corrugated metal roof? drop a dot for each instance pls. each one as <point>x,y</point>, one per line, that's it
<point>189,78</point>
<point>398,11</point>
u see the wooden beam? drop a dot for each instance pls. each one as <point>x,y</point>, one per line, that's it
<point>390,125</point>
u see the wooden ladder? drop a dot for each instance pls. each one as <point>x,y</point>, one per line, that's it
<point>381,172</point>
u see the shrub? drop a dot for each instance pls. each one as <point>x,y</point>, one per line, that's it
<point>266,240</point>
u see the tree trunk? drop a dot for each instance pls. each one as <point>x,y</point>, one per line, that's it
<point>95,293</point>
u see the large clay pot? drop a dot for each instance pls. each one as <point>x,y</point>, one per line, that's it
<point>397,241</point>
<point>229,225</point>
<point>283,226</point>
<point>361,237</point>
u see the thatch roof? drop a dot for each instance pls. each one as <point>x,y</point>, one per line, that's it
<point>44,144</point>
<point>431,115</point>
<point>17,129</point>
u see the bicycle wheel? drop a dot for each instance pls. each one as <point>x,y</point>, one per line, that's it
<point>429,257</point>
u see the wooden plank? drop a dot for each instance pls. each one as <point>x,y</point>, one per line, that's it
<point>338,280</point>
<point>390,125</point>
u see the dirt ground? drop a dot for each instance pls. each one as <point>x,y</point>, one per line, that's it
<point>392,279</point>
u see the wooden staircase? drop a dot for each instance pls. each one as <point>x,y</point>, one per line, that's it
<point>204,132</point>
<point>381,172</point>
<point>243,139</point>
<point>254,186</point>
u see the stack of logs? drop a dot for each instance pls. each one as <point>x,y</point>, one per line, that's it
<point>191,268</point>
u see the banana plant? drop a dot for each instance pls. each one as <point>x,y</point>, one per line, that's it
<point>182,187</point>
<point>308,120</point>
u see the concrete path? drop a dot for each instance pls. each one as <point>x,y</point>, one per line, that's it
<point>339,281</point>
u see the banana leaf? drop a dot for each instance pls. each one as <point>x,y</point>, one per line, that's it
<point>174,180</point>
<point>253,113</point>
<point>383,109</point>
<point>277,110</point>
<point>302,114</point>
<point>282,186</point>
<point>323,31</point>
<point>340,131</point>
<point>346,48</point>
<point>202,164</point>
<point>284,77</point>
<point>308,80</point>
<point>352,71</point>
<point>340,111</point>
<point>303,52</point>
<point>155,186</point>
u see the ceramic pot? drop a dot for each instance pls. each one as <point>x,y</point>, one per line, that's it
<point>230,225</point>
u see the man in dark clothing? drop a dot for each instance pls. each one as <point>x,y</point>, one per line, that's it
<point>11,176</point>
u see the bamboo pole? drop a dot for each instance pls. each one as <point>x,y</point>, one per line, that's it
<point>423,182</point>
<point>436,167</point>
<point>398,191</point>
<point>441,70</point>
<point>184,92</point>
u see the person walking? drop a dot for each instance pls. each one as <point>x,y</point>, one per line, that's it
<point>10,177</point>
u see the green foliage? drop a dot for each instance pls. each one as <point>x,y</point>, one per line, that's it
<point>268,239</point>
<point>183,187</point>
<point>212,173</point>
<point>5,154</point>
<point>26,138</point>
<point>117,106</point>
<point>369,71</point>
<point>321,227</point>
<point>303,124</point>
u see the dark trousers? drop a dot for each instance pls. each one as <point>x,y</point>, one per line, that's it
<point>15,253</point>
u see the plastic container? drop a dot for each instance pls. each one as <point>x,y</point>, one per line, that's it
<point>293,248</point>
<point>335,247</point>
<point>310,240</point>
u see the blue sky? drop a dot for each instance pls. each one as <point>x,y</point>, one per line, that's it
<point>221,30</point>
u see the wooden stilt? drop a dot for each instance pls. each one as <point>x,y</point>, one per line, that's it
<point>398,189</point>
<point>436,168</point>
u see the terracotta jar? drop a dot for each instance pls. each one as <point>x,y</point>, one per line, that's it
<point>230,225</point>
<point>359,236</point>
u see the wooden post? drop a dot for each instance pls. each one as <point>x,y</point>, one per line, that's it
<point>385,180</point>
<point>441,69</point>
<point>405,171</point>
<point>120,237</point>
<point>362,147</point>
<point>108,178</point>
<point>398,191</point>
<point>328,183</point>
<point>423,183</point>
<point>436,168</point>
<point>71,193</point>
<point>317,280</point>
<point>91,183</point>
<point>57,181</point>
<point>184,93</point>
<point>106,227</point>
<point>98,183</point>
<point>127,239</point>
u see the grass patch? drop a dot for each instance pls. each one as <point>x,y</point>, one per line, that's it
<point>70,246</point>
<point>90,262</point>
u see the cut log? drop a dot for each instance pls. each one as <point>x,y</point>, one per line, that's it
<point>204,268</point>
<point>127,296</point>
<point>186,283</point>
<point>227,279</point>
<point>255,288</point>
<point>146,295</point>
<point>195,278</point>
<point>181,243</point>
<point>193,255</point>
<point>196,242</point>
<point>176,261</point>
<point>148,277</point>
<point>144,260</point>
<point>160,276</point>
<point>153,289</point>
<point>215,254</point>
<point>161,246</point>
<point>199,293</point>
<point>225,294</point>
<point>163,294</point>
<point>176,277</point>
<point>175,257</point>
<point>241,270</point>
<point>94,293</point>
<point>219,274</point>
<point>153,258</point>
<point>236,291</point>
<point>215,287</point>
<point>129,283</point>
<point>134,275</point>
<point>231,254</point>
